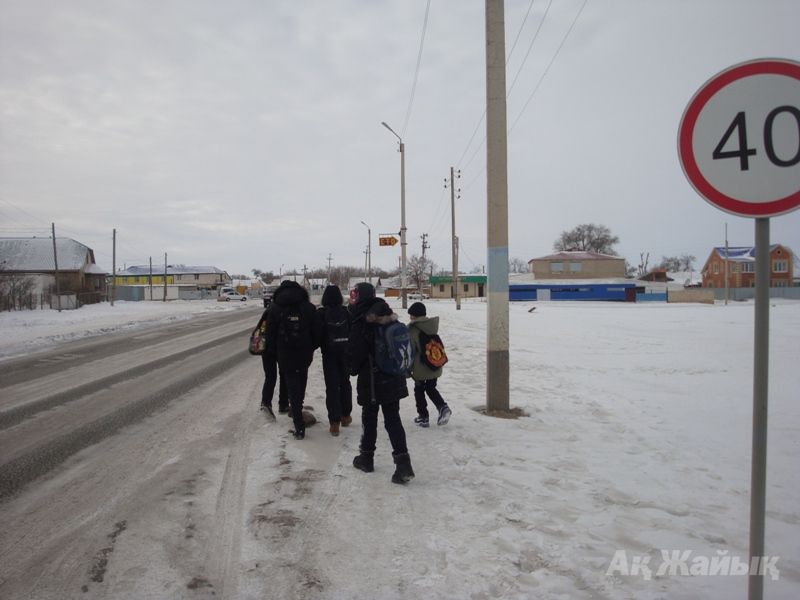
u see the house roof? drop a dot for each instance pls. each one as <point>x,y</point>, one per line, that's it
<point>171,270</point>
<point>36,255</point>
<point>577,255</point>
<point>742,253</point>
<point>440,279</point>
<point>375,281</point>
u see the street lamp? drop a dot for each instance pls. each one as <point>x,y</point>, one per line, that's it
<point>368,270</point>
<point>402,216</point>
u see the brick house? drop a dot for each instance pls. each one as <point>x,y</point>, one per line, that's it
<point>741,261</point>
<point>575,264</point>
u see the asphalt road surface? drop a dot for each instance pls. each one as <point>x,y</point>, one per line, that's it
<point>124,468</point>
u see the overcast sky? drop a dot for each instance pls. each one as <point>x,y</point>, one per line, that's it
<point>247,134</point>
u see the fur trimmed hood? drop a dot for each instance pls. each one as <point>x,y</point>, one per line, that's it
<point>376,319</point>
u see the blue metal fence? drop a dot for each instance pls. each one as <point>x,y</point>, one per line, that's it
<point>578,291</point>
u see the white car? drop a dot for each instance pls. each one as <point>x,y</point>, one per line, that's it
<point>417,296</point>
<point>228,296</point>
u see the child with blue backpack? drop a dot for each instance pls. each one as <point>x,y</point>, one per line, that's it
<point>377,388</point>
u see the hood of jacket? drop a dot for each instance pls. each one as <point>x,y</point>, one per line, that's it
<point>359,310</point>
<point>332,296</point>
<point>379,317</point>
<point>427,325</point>
<point>290,293</point>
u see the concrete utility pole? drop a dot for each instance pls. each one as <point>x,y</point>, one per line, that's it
<point>150,281</point>
<point>403,291</point>
<point>368,266</point>
<point>330,258</point>
<point>113,266</point>
<point>456,292</point>
<point>497,371</point>
<point>55,265</point>
<point>165,277</point>
<point>425,246</point>
<point>726,265</point>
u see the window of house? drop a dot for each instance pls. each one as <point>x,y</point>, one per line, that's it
<point>748,267</point>
<point>735,268</point>
<point>466,287</point>
<point>556,267</point>
<point>716,268</point>
<point>575,267</point>
<point>780,283</point>
<point>180,277</point>
<point>780,266</point>
<point>441,288</point>
<point>196,276</point>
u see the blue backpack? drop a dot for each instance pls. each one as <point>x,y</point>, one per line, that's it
<point>394,353</point>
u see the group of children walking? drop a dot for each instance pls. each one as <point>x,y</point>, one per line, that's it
<point>351,339</point>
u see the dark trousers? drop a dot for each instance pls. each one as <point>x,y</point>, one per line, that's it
<point>338,391</point>
<point>427,386</point>
<point>270,364</point>
<point>296,379</point>
<point>391,421</point>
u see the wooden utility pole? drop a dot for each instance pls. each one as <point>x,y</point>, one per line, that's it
<point>55,265</point>
<point>497,370</point>
<point>113,266</point>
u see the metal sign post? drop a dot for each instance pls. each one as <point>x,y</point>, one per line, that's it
<point>739,146</point>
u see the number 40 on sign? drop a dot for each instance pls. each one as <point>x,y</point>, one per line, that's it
<point>739,139</point>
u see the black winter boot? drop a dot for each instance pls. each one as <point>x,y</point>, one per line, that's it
<point>364,462</point>
<point>403,473</point>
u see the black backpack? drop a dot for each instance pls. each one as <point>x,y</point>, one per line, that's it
<point>337,328</point>
<point>292,329</point>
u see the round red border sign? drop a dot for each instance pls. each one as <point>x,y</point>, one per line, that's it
<point>730,131</point>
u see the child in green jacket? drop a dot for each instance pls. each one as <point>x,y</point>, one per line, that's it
<point>423,375</point>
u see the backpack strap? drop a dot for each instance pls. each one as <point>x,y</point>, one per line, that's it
<point>372,398</point>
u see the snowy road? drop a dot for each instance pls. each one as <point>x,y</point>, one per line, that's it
<point>137,466</point>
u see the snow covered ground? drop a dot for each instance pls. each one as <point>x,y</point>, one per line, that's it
<point>637,443</point>
<point>26,331</point>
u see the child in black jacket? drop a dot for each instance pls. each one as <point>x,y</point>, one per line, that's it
<point>374,389</point>
<point>333,332</point>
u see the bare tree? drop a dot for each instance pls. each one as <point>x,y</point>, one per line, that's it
<point>418,269</point>
<point>670,263</point>
<point>15,290</point>
<point>265,276</point>
<point>517,265</point>
<point>643,260</point>
<point>588,238</point>
<point>684,262</point>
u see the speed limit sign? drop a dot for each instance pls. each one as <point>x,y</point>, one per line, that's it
<point>739,139</point>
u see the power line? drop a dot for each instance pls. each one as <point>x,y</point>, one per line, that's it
<point>483,115</point>
<point>508,93</point>
<point>530,47</point>
<point>550,64</point>
<point>519,31</point>
<point>416,70</point>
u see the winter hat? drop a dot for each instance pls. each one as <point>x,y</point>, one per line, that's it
<point>332,296</point>
<point>417,309</point>
<point>363,291</point>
